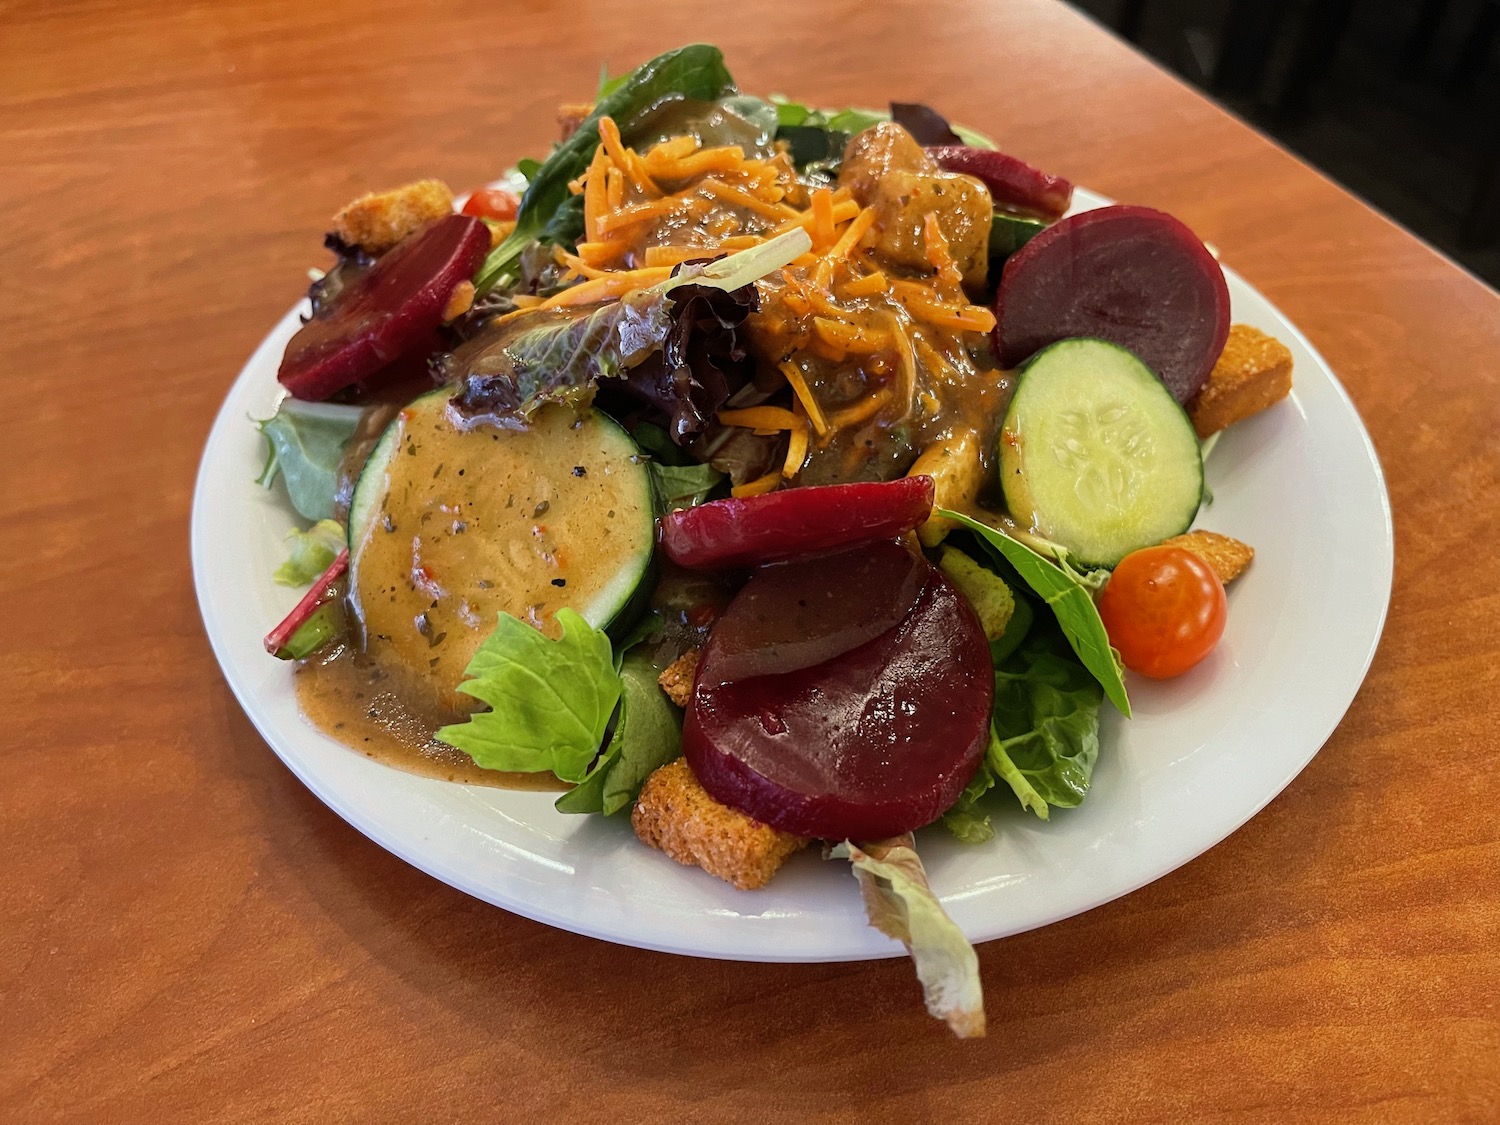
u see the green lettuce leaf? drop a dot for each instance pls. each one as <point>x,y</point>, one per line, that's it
<point>900,904</point>
<point>550,701</point>
<point>648,735</point>
<point>683,486</point>
<point>305,441</point>
<point>1068,594</point>
<point>312,552</point>
<point>966,819</point>
<point>1044,739</point>
<point>986,591</point>
<point>696,71</point>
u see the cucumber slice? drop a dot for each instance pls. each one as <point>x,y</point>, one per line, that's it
<point>1096,455</point>
<point>450,527</point>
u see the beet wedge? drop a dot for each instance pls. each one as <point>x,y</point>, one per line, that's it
<point>1133,276</point>
<point>1014,185</point>
<point>387,313</point>
<point>751,530</point>
<point>877,740</point>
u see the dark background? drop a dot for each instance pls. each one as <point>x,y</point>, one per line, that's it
<point>1398,100</point>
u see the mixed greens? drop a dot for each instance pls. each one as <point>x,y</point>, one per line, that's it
<point>716,432</point>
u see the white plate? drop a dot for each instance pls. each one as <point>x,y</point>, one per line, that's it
<point>1204,753</point>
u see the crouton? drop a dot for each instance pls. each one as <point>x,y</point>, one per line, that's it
<point>1253,372</point>
<point>570,115</point>
<point>377,221</point>
<point>675,814</point>
<point>677,679</point>
<point>957,474</point>
<point>1228,557</point>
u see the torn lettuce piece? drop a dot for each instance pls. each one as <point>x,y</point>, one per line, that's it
<point>312,552</point>
<point>986,591</point>
<point>683,486</point>
<point>648,735</point>
<point>900,904</point>
<point>550,701</point>
<point>674,345</point>
<point>305,441</point>
<point>966,819</point>
<point>1044,739</point>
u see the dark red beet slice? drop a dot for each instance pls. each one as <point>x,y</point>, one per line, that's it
<point>750,530</point>
<point>388,312</point>
<point>1013,183</point>
<point>784,623</point>
<point>1130,275</point>
<point>876,741</point>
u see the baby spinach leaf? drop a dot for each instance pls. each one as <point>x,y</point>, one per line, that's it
<point>305,441</point>
<point>648,735</point>
<point>1070,600</point>
<point>696,71</point>
<point>550,701</point>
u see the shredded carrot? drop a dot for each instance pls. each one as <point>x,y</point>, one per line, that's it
<point>740,241</point>
<point>822,212</point>
<point>908,362</point>
<point>636,213</point>
<point>733,193</point>
<point>798,381</point>
<point>758,486</point>
<point>595,199</point>
<point>606,288</point>
<point>673,149</point>
<point>853,233</point>
<point>760,418</point>
<point>796,446</point>
<point>726,158</point>
<point>671,255</point>
<point>842,334</point>
<point>599,254</point>
<point>577,264</point>
<point>938,253</point>
<point>866,286</point>
<point>525,301</point>
<point>609,140</point>
<point>860,412</point>
<point>614,190</point>
<point>922,303</point>
<point>843,211</point>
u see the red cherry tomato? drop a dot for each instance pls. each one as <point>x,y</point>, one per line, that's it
<point>493,203</point>
<point>1164,609</point>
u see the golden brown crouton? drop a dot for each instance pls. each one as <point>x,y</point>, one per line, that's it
<point>570,116</point>
<point>377,221</point>
<point>677,679</point>
<point>1254,372</point>
<point>676,814</point>
<point>1228,557</point>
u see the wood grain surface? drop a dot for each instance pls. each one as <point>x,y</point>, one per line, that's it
<point>187,935</point>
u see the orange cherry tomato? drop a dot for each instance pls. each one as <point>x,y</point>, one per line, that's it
<point>493,203</point>
<point>1164,609</point>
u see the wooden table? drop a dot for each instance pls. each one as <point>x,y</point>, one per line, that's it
<point>187,935</point>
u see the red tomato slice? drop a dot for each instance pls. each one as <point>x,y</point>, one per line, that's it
<point>1164,609</point>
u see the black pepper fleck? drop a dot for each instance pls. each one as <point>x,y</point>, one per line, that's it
<point>559,582</point>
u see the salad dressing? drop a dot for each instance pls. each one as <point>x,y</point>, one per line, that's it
<point>347,697</point>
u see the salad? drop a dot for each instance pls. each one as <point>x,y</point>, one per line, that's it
<point>761,474</point>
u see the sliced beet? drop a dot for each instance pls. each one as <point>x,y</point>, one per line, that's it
<point>1013,183</point>
<point>385,313</point>
<point>784,622</point>
<point>1134,276</point>
<point>878,740</point>
<point>750,530</point>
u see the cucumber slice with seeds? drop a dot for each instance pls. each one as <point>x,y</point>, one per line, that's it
<point>1096,455</point>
